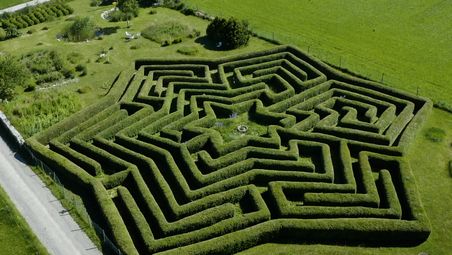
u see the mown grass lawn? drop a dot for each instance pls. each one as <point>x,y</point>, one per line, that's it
<point>410,42</point>
<point>8,3</point>
<point>16,236</point>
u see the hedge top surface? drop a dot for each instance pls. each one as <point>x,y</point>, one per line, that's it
<point>321,160</point>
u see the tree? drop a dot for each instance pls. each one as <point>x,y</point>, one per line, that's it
<point>12,74</point>
<point>129,7</point>
<point>81,29</point>
<point>2,34</point>
<point>231,33</point>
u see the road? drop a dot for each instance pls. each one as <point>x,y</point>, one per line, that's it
<point>56,229</point>
<point>21,6</point>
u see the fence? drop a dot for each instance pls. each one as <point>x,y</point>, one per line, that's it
<point>76,203</point>
<point>372,69</point>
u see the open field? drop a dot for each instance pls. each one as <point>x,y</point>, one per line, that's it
<point>409,43</point>
<point>8,3</point>
<point>329,166</point>
<point>15,235</point>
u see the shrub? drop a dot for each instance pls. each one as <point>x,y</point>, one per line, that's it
<point>2,34</point>
<point>95,3</point>
<point>83,90</point>
<point>12,74</point>
<point>167,31</point>
<point>435,134</point>
<point>188,50</point>
<point>231,33</point>
<point>31,31</point>
<point>81,29</point>
<point>450,168</point>
<point>82,69</point>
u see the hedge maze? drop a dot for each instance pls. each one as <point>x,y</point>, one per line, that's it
<point>321,159</point>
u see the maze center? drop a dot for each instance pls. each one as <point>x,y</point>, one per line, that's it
<point>202,156</point>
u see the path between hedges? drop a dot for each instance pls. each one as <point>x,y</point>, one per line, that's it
<point>54,227</point>
<point>21,6</point>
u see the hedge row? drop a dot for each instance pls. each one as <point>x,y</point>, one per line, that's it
<point>36,14</point>
<point>180,189</point>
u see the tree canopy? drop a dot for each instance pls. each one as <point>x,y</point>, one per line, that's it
<point>231,33</point>
<point>12,74</point>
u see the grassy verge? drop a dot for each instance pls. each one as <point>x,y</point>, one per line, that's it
<point>69,201</point>
<point>16,237</point>
<point>8,3</point>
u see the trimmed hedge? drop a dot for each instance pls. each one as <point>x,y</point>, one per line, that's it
<point>35,14</point>
<point>328,168</point>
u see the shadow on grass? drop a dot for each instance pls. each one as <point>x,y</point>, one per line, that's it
<point>208,44</point>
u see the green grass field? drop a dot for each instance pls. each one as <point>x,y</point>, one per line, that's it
<point>408,42</point>
<point>15,235</point>
<point>8,3</point>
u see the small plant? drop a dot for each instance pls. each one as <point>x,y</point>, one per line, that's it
<point>81,29</point>
<point>435,134</point>
<point>188,50</point>
<point>30,87</point>
<point>177,40</point>
<point>83,90</point>
<point>31,31</point>
<point>82,69</point>
<point>170,31</point>
<point>134,47</point>
<point>152,12</point>
<point>45,28</point>
<point>166,43</point>
<point>450,168</point>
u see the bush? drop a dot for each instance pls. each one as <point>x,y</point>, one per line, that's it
<point>2,34</point>
<point>31,31</point>
<point>83,90</point>
<point>12,74</point>
<point>435,134</point>
<point>231,33</point>
<point>187,50</point>
<point>167,31</point>
<point>82,69</point>
<point>81,29</point>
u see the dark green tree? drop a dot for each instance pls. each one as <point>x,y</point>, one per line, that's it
<point>232,33</point>
<point>12,74</point>
<point>130,8</point>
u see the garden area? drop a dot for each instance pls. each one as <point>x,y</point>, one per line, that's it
<point>182,137</point>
